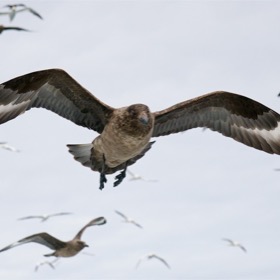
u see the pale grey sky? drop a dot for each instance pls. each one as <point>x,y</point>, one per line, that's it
<point>210,187</point>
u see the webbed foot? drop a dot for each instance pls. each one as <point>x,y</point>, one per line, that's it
<point>119,178</point>
<point>102,181</point>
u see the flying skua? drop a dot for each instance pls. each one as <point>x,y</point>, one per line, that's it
<point>125,132</point>
<point>61,248</point>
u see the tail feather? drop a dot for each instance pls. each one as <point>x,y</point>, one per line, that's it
<point>81,153</point>
<point>85,155</point>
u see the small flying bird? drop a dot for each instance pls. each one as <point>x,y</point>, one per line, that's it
<point>235,244</point>
<point>6,146</point>
<point>152,256</point>
<point>62,249</point>
<point>50,263</point>
<point>44,217</point>
<point>136,177</point>
<point>17,8</point>
<point>125,132</point>
<point>3,28</point>
<point>128,220</point>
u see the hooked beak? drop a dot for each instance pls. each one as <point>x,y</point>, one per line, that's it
<point>143,118</point>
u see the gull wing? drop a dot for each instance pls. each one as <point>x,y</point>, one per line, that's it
<point>60,214</point>
<point>233,115</point>
<point>242,248</point>
<point>55,90</point>
<point>228,240</point>
<point>138,263</point>
<point>162,260</point>
<point>32,11</point>
<point>30,217</point>
<point>136,224</point>
<point>121,214</point>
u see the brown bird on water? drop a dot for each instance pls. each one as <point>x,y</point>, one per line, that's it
<point>125,132</point>
<point>62,249</point>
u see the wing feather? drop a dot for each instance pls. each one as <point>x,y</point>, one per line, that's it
<point>235,116</point>
<point>95,222</point>
<point>121,214</point>
<point>41,238</point>
<point>55,90</point>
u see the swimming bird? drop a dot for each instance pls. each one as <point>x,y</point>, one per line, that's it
<point>6,146</point>
<point>3,28</point>
<point>125,132</point>
<point>152,256</point>
<point>62,249</point>
<point>17,8</point>
<point>137,177</point>
<point>44,217</point>
<point>128,220</point>
<point>235,244</point>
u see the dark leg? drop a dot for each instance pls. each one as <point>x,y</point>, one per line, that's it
<point>120,177</point>
<point>103,178</point>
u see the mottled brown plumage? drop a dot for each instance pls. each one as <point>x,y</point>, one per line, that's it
<point>62,249</point>
<point>125,133</point>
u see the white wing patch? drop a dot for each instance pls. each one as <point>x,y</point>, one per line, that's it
<point>14,104</point>
<point>10,111</point>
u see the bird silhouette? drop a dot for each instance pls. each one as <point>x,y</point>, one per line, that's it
<point>6,146</point>
<point>44,217</point>
<point>137,177</point>
<point>18,8</point>
<point>45,262</point>
<point>125,132</point>
<point>235,244</point>
<point>128,220</point>
<point>152,256</point>
<point>61,248</point>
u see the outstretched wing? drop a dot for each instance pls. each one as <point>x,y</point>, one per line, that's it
<point>235,116</point>
<point>41,238</point>
<point>138,263</point>
<point>32,11</point>
<point>30,217</point>
<point>2,28</point>
<point>56,91</point>
<point>242,248</point>
<point>95,222</point>
<point>121,214</point>
<point>228,240</point>
<point>136,224</point>
<point>60,214</point>
<point>162,260</point>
